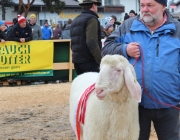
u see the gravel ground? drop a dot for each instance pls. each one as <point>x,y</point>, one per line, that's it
<point>36,112</point>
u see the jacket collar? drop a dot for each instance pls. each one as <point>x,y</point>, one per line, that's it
<point>90,12</point>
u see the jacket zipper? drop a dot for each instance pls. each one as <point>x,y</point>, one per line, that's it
<point>157,47</point>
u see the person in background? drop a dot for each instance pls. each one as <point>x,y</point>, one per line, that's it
<point>109,20</point>
<point>126,16</point>
<point>102,32</point>
<point>36,29</point>
<point>3,36</point>
<point>116,23</point>
<point>57,32</point>
<point>86,38</point>
<point>132,13</point>
<point>66,30</point>
<point>22,32</point>
<point>46,31</point>
<point>152,39</point>
<point>179,17</point>
<point>10,29</point>
<point>108,29</point>
<point>64,26</point>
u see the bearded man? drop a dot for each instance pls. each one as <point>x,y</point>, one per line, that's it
<point>152,39</point>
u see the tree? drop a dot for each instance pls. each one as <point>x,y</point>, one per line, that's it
<point>3,4</point>
<point>54,6</point>
<point>25,7</point>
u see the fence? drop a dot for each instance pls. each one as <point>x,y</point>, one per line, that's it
<point>62,66</point>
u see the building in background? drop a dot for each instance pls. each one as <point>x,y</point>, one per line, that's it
<point>72,9</point>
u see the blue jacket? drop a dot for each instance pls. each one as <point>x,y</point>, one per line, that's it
<point>46,33</point>
<point>161,51</point>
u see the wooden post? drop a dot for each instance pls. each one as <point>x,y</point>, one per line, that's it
<point>70,63</point>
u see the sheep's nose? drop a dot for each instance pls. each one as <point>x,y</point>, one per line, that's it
<point>98,91</point>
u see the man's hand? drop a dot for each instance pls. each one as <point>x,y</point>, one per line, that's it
<point>22,39</point>
<point>3,41</point>
<point>133,50</point>
<point>4,28</point>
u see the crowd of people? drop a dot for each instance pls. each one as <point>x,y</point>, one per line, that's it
<point>27,30</point>
<point>24,30</point>
<point>111,23</point>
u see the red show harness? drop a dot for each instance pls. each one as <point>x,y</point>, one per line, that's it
<point>81,109</point>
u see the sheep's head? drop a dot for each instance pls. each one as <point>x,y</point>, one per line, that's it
<point>113,76</point>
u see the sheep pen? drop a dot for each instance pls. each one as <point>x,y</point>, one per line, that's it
<point>37,112</point>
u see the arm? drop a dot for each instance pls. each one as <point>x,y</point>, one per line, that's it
<point>92,39</point>
<point>29,38</point>
<point>114,44</point>
<point>4,36</point>
<point>9,33</point>
<point>14,38</point>
<point>50,32</point>
<point>42,33</point>
<point>39,33</point>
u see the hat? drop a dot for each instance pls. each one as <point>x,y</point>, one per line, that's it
<point>83,2</point>
<point>21,19</point>
<point>15,20</point>
<point>163,2</point>
<point>1,23</point>
<point>46,21</point>
<point>108,19</point>
<point>108,25</point>
<point>126,16</point>
<point>132,11</point>
<point>32,16</point>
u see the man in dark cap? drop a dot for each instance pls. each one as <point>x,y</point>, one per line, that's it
<point>153,38</point>
<point>86,38</point>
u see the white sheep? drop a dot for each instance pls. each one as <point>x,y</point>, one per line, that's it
<point>112,108</point>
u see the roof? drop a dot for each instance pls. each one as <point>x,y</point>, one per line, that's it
<point>39,2</point>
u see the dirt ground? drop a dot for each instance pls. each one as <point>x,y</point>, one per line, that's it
<point>36,112</point>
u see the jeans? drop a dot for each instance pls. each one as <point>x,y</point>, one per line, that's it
<point>166,123</point>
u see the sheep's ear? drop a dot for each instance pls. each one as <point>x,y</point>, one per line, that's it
<point>133,86</point>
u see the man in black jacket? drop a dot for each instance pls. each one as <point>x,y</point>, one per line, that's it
<point>86,38</point>
<point>22,32</point>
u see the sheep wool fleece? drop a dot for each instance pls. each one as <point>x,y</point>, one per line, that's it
<point>101,122</point>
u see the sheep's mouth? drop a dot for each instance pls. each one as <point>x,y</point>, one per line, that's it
<point>100,98</point>
<point>100,94</point>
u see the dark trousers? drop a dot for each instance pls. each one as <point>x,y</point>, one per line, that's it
<point>86,67</point>
<point>166,123</point>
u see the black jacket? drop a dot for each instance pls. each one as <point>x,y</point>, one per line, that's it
<point>9,33</point>
<point>86,49</point>
<point>3,36</point>
<point>18,32</point>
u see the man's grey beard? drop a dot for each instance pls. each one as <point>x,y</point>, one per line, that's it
<point>150,21</point>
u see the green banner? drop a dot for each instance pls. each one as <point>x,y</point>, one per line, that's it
<point>27,74</point>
